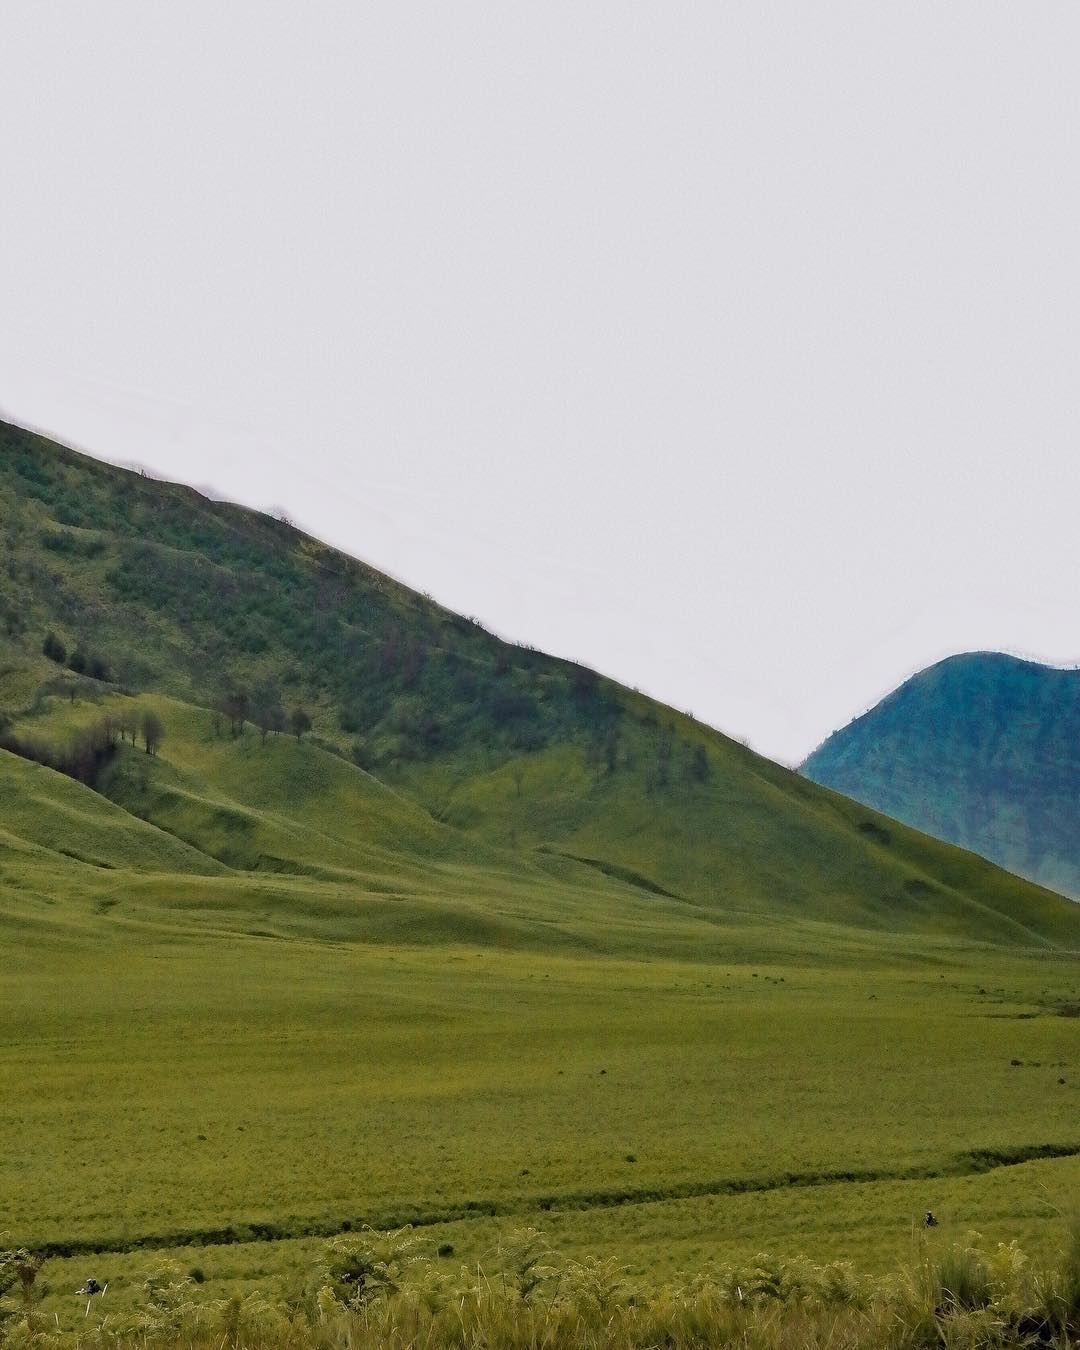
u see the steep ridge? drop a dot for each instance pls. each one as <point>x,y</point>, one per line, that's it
<point>982,750</point>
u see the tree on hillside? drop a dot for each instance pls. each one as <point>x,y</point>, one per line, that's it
<point>266,707</point>
<point>300,723</point>
<point>97,667</point>
<point>128,723</point>
<point>126,674</point>
<point>699,764</point>
<point>91,664</point>
<point>236,705</point>
<point>153,730</point>
<point>83,757</point>
<point>54,649</point>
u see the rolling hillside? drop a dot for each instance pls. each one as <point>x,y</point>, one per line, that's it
<point>983,750</point>
<point>496,941</point>
<point>434,741</point>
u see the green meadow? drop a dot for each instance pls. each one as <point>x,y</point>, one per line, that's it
<point>164,1090</point>
<point>493,944</point>
<point>417,1028</point>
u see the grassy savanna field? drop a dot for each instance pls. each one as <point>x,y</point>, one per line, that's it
<point>164,1089</point>
<point>498,944</point>
<point>449,1035</point>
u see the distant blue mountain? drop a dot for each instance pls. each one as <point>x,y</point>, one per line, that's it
<point>982,750</point>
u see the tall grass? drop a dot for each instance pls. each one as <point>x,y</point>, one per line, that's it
<point>382,1290</point>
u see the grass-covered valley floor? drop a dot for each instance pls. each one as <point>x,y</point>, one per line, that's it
<point>494,944</point>
<point>228,1103</point>
<point>230,1055</point>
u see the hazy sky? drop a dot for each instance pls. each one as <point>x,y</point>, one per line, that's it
<point>729,347</point>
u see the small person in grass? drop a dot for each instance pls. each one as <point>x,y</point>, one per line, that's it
<point>929,1221</point>
<point>89,1289</point>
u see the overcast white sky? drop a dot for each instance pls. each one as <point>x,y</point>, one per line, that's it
<point>729,347</point>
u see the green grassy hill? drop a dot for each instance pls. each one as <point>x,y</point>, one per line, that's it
<point>983,750</point>
<point>434,740</point>
<point>499,941</point>
<point>730,849</point>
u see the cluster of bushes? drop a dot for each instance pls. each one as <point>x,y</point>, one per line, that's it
<point>87,753</point>
<point>241,595</point>
<point>70,545</point>
<point>44,477</point>
<point>238,592</point>
<point>263,706</point>
<point>388,1290</point>
<point>83,757</point>
<point>81,662</point>
<point>418,699</point>
<point>243,588</point>
<point>335,630</point>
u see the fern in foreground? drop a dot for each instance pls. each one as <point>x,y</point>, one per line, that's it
<point>376,1289</point>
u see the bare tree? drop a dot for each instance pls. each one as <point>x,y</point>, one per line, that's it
<point>153,730</point>
<point>236,705</point>
<point>299,723</point>
<point>129,724</point>
<point>266,706</point>
<point>84,757</point>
